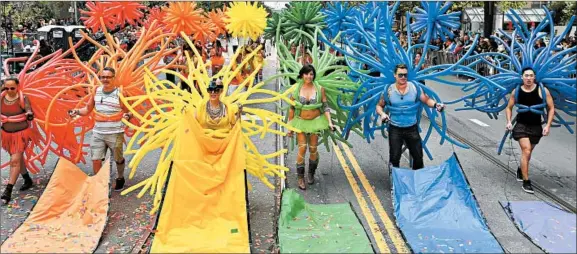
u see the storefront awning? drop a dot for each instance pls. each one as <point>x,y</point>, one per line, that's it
<point>527,15</point>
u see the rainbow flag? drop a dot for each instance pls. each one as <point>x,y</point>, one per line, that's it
<point>17,38</point>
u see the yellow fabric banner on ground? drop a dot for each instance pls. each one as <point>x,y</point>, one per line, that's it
<point>70,216</point>
<point>204,208</point>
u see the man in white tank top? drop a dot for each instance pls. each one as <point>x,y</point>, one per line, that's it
<point>108,131</point>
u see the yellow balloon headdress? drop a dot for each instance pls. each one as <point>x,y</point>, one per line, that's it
<point>246,20</point>
<point>171,105</point>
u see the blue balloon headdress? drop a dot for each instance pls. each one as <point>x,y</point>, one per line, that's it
<point>382,52</point>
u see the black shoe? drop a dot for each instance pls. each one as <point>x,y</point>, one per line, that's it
<point>312,169</point>
<point>119,184</point>
<point>519,175</point>
<point>27,183</point>
<point>6,195</point>
<point>527,187</point>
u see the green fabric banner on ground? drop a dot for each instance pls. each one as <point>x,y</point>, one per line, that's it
<point>326,228</point>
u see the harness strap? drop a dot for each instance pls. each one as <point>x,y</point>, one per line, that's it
<point>17,118</point>
<point>108,118</point>
<point>299,106</point>
<point>538,108</point>
<point>13,119</point>
<point>535,108</point>
<point>99,117</point>
<point>399,110</point>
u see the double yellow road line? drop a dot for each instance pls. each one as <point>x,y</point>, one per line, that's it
<point>390,228</point>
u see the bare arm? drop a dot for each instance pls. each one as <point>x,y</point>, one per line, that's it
<point>124,109</point>
<point>326,106</point>
<point>550,107</point>
<point>238,115</point>
<point>381,105</point>
<point>89,107</point>
<point>509,108</point>
<point>425,99</point>
<point>291,116</point>
<point>291,111</point>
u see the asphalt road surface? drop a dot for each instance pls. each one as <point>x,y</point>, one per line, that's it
<point>129,224</point>
<point>357,175</point>
<point>553,163</point>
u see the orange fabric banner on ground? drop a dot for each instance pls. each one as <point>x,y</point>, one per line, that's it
<point>204,208</point>
<point>70,216</point>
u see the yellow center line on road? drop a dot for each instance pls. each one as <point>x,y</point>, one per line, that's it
<point>373,226</point>
<point>389,226</point>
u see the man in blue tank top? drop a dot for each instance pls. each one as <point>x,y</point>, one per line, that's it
<point>404,99</point>
<point>528,129</point>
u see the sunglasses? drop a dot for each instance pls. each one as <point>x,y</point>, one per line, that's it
<point>402,75</point>
<point>106,77</point>
<point>214,90</point>
<point>9,88</point>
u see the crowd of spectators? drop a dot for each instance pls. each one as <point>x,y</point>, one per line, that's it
<point>446,50</point>
<point>453,48</point>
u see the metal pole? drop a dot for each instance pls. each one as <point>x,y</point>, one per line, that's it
<point>10,32</point>
<point>75,13</point>
<point>4,24</point>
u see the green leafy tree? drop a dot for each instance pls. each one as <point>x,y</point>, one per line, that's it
<point>568,12</point>
<point>32,12</point>
<point>22,12</point>
<point>405,7</point>
<point>460,6</point>
<point>211,5</point>
<point>59,9</point>
<point>557,9</point>
<point>506,5</point>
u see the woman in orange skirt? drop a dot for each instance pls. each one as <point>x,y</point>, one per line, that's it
<point>16,133</point>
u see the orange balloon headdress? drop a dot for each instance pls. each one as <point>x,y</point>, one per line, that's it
<point>129,65</point>
<point>183,17</point>
<point>111,13</point>
<point>48,83</point>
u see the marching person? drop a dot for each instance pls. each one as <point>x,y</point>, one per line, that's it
<point>16,112</point>
<point>214,114</point>
<point>108,131</point>
<point>312,116</point>
<point>528,130</point>
<point>403,99</point>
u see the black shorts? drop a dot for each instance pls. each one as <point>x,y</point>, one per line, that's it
<point>533,132</point>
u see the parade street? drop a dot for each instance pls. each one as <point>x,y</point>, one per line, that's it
<point>288,127</point>
<point>357,175</point>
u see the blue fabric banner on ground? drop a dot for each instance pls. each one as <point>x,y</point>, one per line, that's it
<point>437,212</point>
<point>546,225</point>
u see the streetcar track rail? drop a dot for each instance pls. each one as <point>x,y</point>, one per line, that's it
<point>566,205</point>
